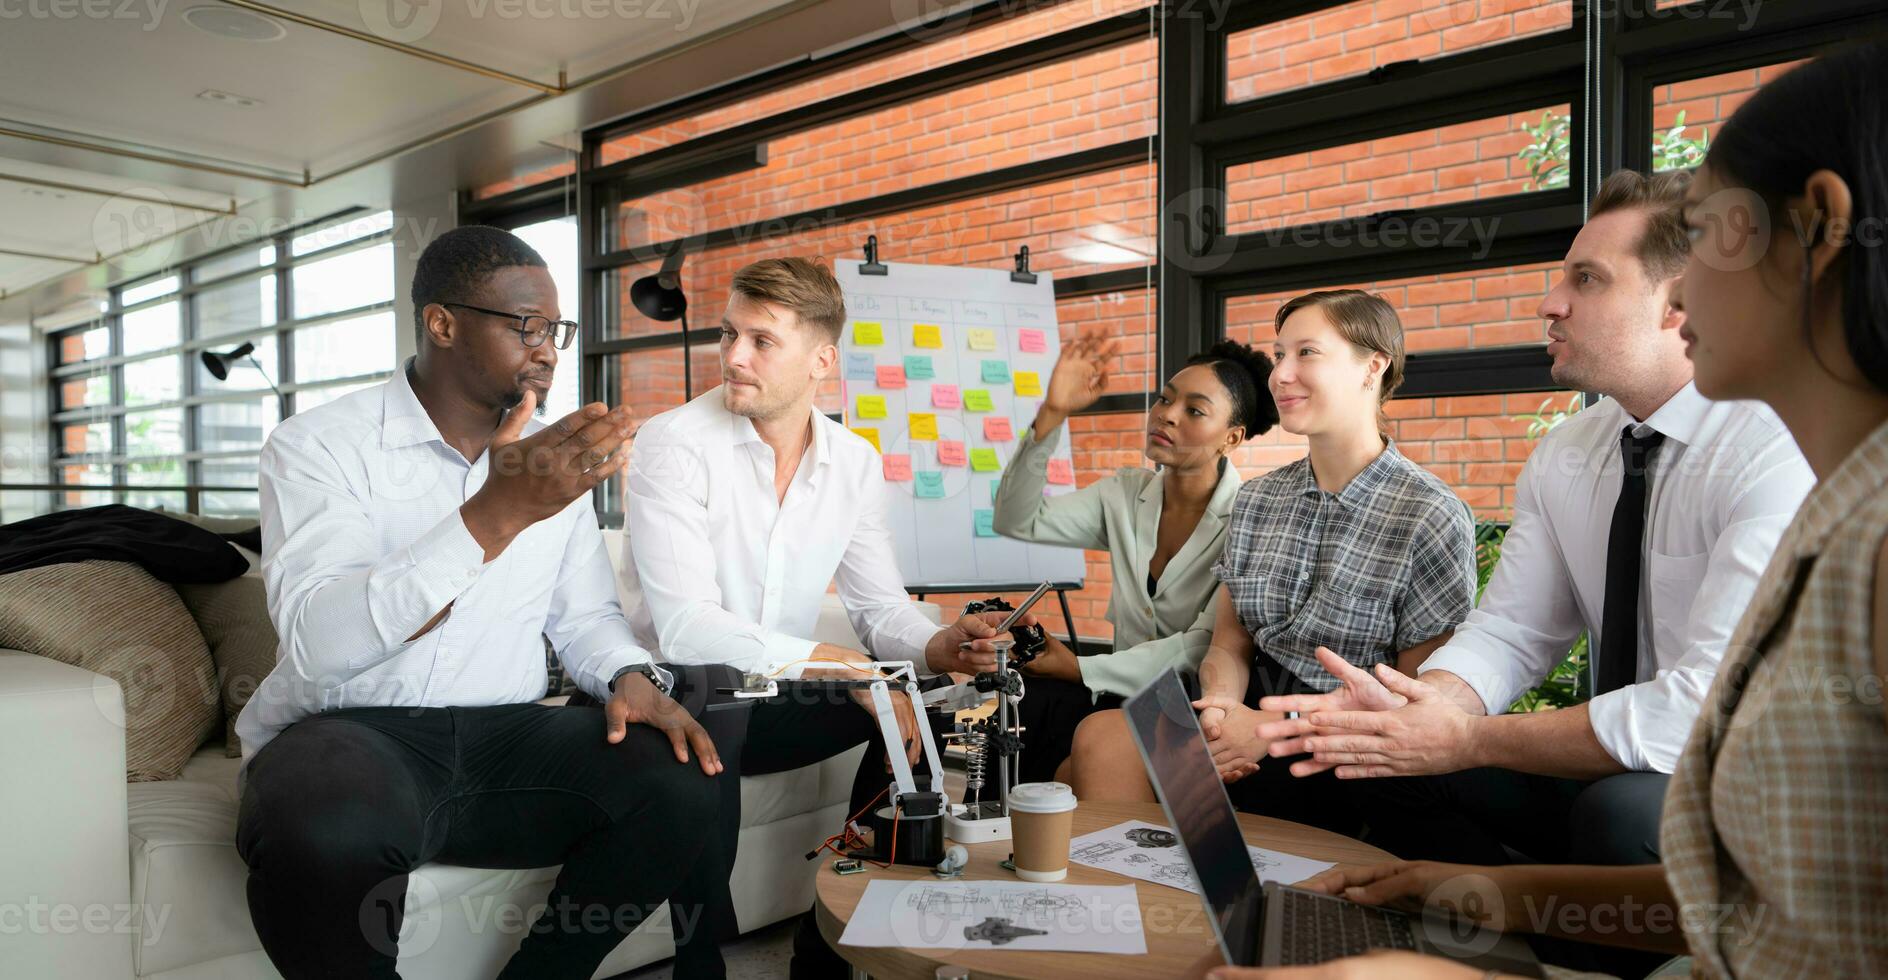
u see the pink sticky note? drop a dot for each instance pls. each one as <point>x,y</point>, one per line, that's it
<point>945,396</point>
<point>1061,471</point>
<point>897,468</point>
<point>1031,341</point>
<point>950,452</point>
<point>891,375</point>
<point>996,428</point>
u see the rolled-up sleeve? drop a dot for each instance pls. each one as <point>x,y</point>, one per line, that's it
<point>666,510</point>
<point>1527,619</point>
<point>1644,726</point>
<point>337,609</point>
<point>586,625</point>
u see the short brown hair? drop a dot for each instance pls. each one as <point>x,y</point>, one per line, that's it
<point>1663,247</point>
<point>802,285</point>
<point>1368,322</point>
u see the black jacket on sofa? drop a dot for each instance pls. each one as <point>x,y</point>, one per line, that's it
<point>171,550</point>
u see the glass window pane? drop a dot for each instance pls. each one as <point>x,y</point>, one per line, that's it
<point>1452,311</point>
<point>91,474</point>
<point>310,397</point>
<point>154,380</point>
<point>556,241</point>
<point>650,383</point>
<point>344,282</point>
<point>85,437</point>
<point>1686,114</point>
<point>228,426</point>
<point>243,305</point>
<point>1352,39</point>
<point>133,295</point>
<point>346,231</point>
<point>219,503</point>
<point>243,373</point>
<point>152,328</point>
<point>174,500</point>
<point>1511,154</point>
<point>232,471</point>
<point>155,471</point>
<point>90,389</point>
<point>344,348</point>
<point>238,261</point>
<point>83,345</point>
<point>156,433</point>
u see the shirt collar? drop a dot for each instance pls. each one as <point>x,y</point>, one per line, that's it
<point>1220,503</point>
<point>1830,501</point>
<point>1368,481</point>
<point>1680,418</point>
<point>403,420</point>
<point>742,430</point>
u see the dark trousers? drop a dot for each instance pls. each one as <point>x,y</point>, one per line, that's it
<point>1049,713</point>
<point>1499,816</point>
<point>1318,801</point>
<point>340,807</point>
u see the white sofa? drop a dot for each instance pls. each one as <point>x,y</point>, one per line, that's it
<point>103,879</point>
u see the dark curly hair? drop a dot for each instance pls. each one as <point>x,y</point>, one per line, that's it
<point>454,267</point>
<point>1245,372</point>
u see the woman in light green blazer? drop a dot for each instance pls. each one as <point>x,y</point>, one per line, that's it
<point>1163,528</point>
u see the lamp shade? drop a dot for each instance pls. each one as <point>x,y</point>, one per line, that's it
<point>218,364</point>
<point>659,297</point>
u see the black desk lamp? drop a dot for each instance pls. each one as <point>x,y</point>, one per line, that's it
<point>659,297</point>
<point>218,364</point>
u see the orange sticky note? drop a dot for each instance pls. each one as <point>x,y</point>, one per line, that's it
<point>950,452</point>
<point>891,375</point>
<point>1061,471</point>
<point>898,468</point>
<point>869,435</point>
<point>996,428</point>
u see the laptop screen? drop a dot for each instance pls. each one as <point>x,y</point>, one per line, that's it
<point>1174,750</point>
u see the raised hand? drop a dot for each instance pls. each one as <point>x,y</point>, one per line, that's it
<point>533,478</point>
<point>1079,378</point>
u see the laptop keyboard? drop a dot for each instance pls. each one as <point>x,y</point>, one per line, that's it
<point>1318,928</point>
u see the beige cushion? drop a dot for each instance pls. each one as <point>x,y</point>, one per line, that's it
<point>113,618</point>
<point>234,618</point>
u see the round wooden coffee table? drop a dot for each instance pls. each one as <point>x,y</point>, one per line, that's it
<point>1174,921</point>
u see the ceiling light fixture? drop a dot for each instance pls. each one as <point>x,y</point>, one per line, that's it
<point>234,23</point>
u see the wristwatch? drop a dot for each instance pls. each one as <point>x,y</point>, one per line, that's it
<point>647,669</point>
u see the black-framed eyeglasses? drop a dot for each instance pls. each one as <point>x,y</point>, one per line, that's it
<point>531,329</point>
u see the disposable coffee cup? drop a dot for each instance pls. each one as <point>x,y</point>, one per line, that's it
<point>1042,815</point>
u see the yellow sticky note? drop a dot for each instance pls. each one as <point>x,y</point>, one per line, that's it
<point>982,339</point>
<point>984,461</point>
<point>871,407</point>
<point>923,427</point>
<point>867,333</point>
<point>870,435</point>
<point>1028,383</point>
<point>926,335</point>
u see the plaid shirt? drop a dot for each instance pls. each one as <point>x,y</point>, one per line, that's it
<point>1376,568</point>
<point>1775,834</point>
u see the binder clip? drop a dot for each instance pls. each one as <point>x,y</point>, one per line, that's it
<point>872,266</point>
<point>1022,273</point>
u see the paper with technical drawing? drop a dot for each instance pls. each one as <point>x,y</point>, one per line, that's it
<point>1008,915</point>
<point>1151,852</point>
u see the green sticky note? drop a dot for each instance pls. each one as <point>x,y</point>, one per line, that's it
<point>995,485</point>
<point>984,460</point>
<point>918,367</point>
<point>928,484</point>
<point>996,372</point>
<point>986,523</point>
<point>978,400</point>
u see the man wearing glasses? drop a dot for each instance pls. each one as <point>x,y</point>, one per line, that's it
<point>419,537</point>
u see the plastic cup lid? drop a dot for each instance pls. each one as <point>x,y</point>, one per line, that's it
<point>1041,798</point>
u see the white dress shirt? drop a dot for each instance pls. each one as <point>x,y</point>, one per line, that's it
<point>1724,485</point>
<point>720,570</point>
<point>362,544</point>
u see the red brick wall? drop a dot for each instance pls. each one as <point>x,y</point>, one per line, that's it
<point>1708,102</point>
<point>1356,37</point>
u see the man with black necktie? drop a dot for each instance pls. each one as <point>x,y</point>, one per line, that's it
<point>1644,521</point>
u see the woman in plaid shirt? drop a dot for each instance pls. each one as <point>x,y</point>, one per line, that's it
<point>1775,835</point>
<point>1353,552</point>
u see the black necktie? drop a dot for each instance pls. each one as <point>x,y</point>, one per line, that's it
<point>1619,628</point>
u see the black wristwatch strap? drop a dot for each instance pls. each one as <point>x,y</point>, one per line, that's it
<point>647,670</point>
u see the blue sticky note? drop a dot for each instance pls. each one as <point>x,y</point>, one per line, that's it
<point>928,485</point>
<point>996,372</point>
<point>918,367</point>
<point>986,523</point>
<point>859,367</point>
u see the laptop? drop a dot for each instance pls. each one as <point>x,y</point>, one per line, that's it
<point>1272,924</point>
